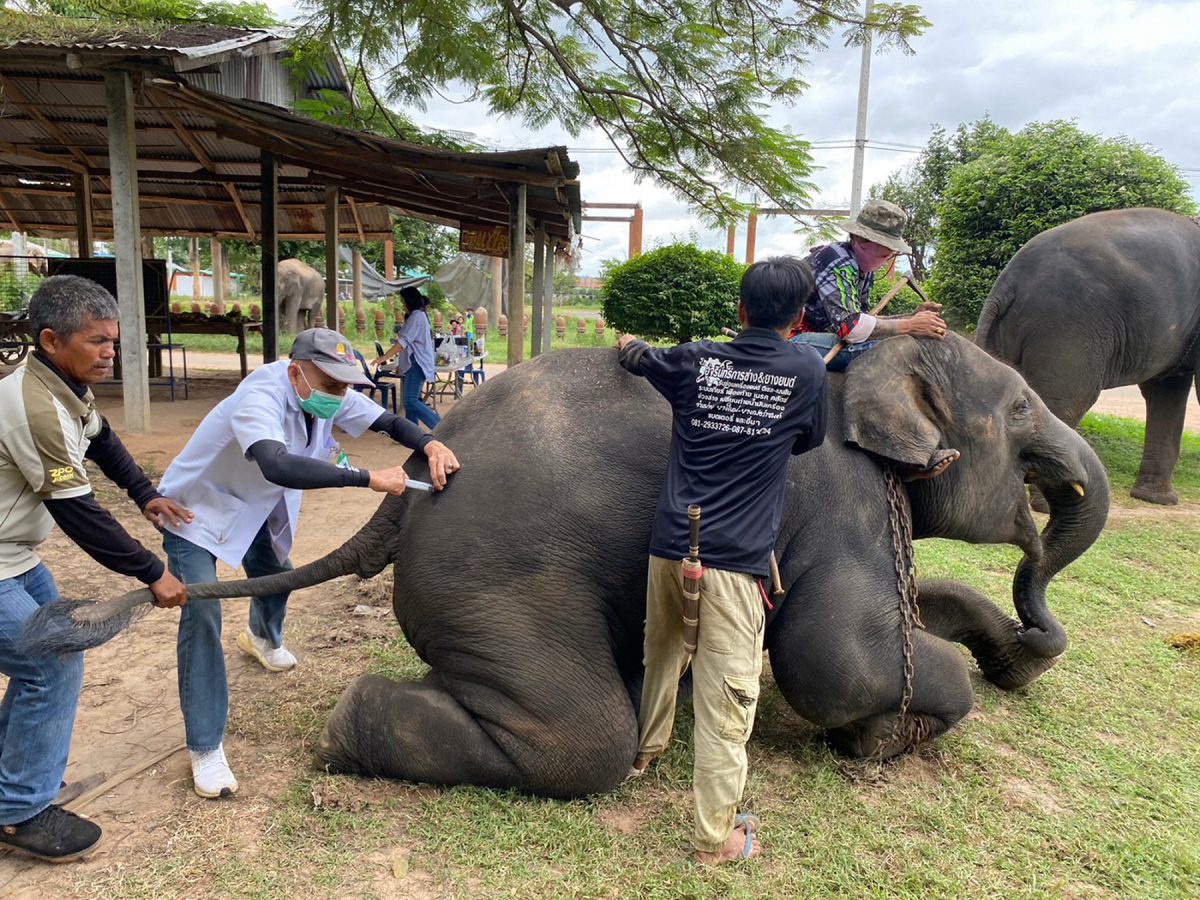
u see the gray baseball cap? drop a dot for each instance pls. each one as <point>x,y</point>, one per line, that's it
<point>331,353</point>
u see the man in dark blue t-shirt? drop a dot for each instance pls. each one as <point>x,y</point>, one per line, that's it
<point>740,410</point>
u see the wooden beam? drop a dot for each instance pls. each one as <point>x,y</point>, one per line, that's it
<point>516,273</point>
<point>57,161</point>
<point>635,233</point>
<point>357,220</point>
<point>189,142</point>
<point>331,257</point>
<point>548,297</point>
<point>84,233</point>
<point>389,259</point>
<point>269,192</point>
<point>237,202</point>
<point>12,217</point>
<point>18,98</point>
<point>539,274</point>
<point>122,153</point>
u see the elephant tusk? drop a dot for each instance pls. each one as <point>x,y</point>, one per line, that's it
<point>1078,488</point>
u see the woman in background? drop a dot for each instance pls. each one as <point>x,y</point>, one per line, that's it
<point>415,339</point>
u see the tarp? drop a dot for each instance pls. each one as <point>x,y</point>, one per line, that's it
<point>465,281</point>
<point>373,284</point>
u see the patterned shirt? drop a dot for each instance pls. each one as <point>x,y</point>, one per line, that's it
<point>842,293</point>
<point>45,433</point>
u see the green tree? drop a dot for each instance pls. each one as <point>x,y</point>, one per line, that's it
<point>679,87</point>
<point>918,189</point>
<point>1024,183</point>
<point>678,292</point>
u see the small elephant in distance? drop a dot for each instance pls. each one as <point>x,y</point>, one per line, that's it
<point>300,289</point>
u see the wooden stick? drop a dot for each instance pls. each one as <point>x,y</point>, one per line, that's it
<point>887,298</point>
<point>121,777</point>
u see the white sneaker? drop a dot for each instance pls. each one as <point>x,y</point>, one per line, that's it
<point>273,659</point>
<point>211,775</point>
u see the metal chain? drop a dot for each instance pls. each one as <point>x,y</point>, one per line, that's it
<point>906,586</point>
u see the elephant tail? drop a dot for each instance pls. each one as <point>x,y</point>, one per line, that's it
<point>989,333</point>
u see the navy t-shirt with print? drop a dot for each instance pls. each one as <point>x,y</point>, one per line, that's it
<point>739,410</point>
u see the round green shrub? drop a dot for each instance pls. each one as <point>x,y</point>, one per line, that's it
<point>678,293</point>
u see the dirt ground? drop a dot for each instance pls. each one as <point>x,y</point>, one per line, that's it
<point>129,712</point>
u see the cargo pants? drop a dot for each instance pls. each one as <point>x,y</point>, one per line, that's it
<point>725,674</point>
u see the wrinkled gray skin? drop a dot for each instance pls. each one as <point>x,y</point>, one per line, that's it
<point>1109,299</point>
<point>533,628</point>
<point>300,289</point>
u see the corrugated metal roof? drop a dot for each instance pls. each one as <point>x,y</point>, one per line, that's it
<point>199,164</point>
<point>185,40</point>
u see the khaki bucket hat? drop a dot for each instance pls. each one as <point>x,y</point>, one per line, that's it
<point>881,222</point>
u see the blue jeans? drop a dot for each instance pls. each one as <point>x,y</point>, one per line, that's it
<point>823,343</point>
<point>203,690</point>
<point>414,409</point>
<point>38,709</point>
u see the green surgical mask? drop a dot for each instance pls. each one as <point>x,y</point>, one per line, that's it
<point>319,403</point>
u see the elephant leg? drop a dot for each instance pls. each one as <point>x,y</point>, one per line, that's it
<point>1166,405</point>
<point>955,612</point>
<point>942,696</point>
<point>846,673</point>
<point>576,736</point>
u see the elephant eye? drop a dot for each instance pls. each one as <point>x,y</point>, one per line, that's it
<point>1021,408</point>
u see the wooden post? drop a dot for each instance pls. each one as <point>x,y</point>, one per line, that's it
<point>548,296</point>
<point>539,276</point>
<point>269,194</point>
<point>751,234</point>
<point>196,276</point>
<point>516,272</point>
<point>497,289</point>
<point>730,237</point>
<point>360,311</point>
<point>83,215</point>
<point>217,274</point>
<point>127,227</point>
<point>635,232</point>
<point>331,257</point>
<point>389,259</point>
<point>220,280</point>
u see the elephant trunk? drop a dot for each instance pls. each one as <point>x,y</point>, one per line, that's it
<point>1075,485</point>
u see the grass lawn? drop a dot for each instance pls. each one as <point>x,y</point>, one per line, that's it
<point>1084,784</point>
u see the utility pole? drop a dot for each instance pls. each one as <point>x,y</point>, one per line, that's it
<point>860,132</point>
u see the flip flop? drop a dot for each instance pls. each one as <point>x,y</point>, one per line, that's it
<point>750,824</point>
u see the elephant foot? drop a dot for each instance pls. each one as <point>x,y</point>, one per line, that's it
<point>1153,494</point>
<point>881,738</point>
<point>420,732</point>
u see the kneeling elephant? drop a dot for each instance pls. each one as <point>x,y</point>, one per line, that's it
<point>536,650</point>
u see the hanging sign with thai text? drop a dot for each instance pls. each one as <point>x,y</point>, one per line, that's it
<point>488,240</point>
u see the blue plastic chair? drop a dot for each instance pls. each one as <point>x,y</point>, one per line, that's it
<point>385,388</point>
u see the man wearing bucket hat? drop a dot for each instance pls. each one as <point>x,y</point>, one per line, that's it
<point>839,307</point>
<point>242,474</point>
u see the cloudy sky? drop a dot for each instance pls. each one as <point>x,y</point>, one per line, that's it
<point>1117,67</point>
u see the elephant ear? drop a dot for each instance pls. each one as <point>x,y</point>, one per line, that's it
<point>890,406</point>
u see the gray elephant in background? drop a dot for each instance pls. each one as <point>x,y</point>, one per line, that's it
<point>1109,299</point>
<point>536,652</point>
<point>35,253</point>
<point>300,289</point>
